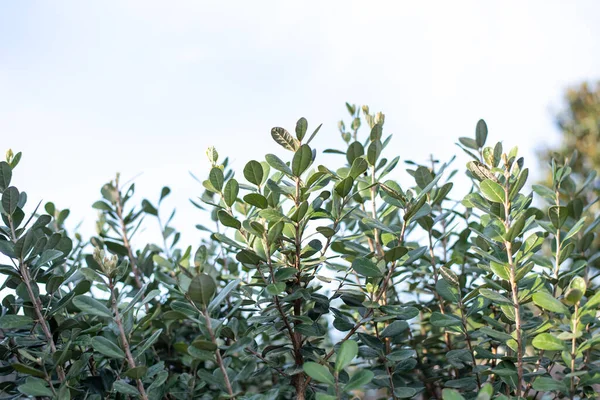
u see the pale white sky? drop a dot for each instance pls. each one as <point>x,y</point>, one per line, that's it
<point>91,88</point>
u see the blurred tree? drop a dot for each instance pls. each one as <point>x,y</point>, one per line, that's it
<point>580,125</point>
<point>579,149</point>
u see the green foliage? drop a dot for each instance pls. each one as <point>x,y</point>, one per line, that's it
<point>316,282</point>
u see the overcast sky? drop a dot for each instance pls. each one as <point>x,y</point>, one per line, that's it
<point>142,87</point>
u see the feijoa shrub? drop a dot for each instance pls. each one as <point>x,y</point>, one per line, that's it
<point>316,281</point>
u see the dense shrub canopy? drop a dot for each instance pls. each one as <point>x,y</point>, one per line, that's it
<point>316,281</point>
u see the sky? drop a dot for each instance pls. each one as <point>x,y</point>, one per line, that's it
<point>88,89</point>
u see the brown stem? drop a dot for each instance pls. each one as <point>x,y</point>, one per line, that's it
<point>218,354</point>
<point>124,341</point>
<point>574,324</point>
<point>468,340</point>
<point>37,307</point>
<point>134,268</point>
<point>513,283</point>
<point>364,319</point>
<point>557,256</point>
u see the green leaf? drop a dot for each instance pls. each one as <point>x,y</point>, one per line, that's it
<point>547,341</point>
<point>548,384</point>
<point>146,344</point>
<point>344,187</point>
<point>494,296</point>
<point>486,392</point>
<point>216,178</point>
<point>123,387</point>
<point>230,193</point>
<point>401,355</point>
<point>449,275</point>
<point>451,394</point>
<point>91,306</point>
<point>302,160</point>
<point>394,329</point>
<point>202,288</point>
<point>558,215</point>
<point>518,185</point>
<point>35,387</point>
<point>480,171</point>
<point>492,191</point>
<point>423,177</point>
<point>226,219</point>
<point>318,372</point>
<point>272,215</point>
<point>301,127</point>
<point>404,392</point>
<point>468,142</point>
<point>444,320</point>
<point>576,290</point>
<point>376,132</point>
<point>275,288</point>
<point>500,270</point>
<point>26,369</point>
<point>346,353</point>
<point>365,267</point>
<point>5,175</point>
<point>48,256</point>
<point>374,151</point>
<point>395,253</point>
<point>253,172</point>
<point>354,151</point>
<point>136,372</point>
<point>546,301</point>
<point>7,248</point>
<point>576,228</point>
<point>359,166</point>
<point>448,291</point>
<point>107,347</point>
<point>481,132</point>
<point>359,380</point>
<point>277,164</point>
<point>13,321</point>
<point>256,200</point>
<point>284,139</point>
<point>218,300</point>
<point>246,256</point>
<point>10,200</point>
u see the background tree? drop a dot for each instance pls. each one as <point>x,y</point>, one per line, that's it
<point>579,148</point>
